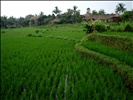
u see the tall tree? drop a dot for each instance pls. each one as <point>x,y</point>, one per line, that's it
<point>22,22</point>
<point>57,11</point>
<point>120,8</point>
<point>101,12</point>
<point>88,10</point>
<point>41,19</point>
<point>27,17</point>
<point>12,22</point>
<point>126,16</point>
<point>76,13</point>
<point>3,22</point>
<point>75,9</point>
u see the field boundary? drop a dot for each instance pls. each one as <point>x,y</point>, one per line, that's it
<point>62,38</point>
<point>125,71</point>
<point>120,42</point>
<point>56,37</point>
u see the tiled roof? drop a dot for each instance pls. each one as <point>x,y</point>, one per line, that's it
<point>105,16</point>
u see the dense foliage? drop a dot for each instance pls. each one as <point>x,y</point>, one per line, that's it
<point>127,16</point>
<point>105,26</point>
<point>71,16</point>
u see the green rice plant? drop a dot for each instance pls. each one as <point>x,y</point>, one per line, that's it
<point>110,51</point>
<point>129,34</point>
<point>125,71</point>
<point>36,68</point>
<point>120,42</point>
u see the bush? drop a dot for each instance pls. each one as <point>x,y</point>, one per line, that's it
<point>127,16</point>
<point>37,31</point>
<point>107,27</point>
<point>2,31</point>
<point>47,29</point>
<point>123,27</point>
<point>128,28</point>
<point>120,28</point>
<point>39,35</point>
<point>89,28</point>
<point>100,27</point>
<point>29,35</point>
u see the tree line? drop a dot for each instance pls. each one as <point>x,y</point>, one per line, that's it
<point>70,16</point>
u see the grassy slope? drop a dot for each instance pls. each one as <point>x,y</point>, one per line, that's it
<point>39,68</point>
<point>110,51</point>
<point>130,34</point>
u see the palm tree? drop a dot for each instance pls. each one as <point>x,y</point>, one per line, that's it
<point>88,10</point>
<point>120,8</point>
<point>69,12</point>
<point>41,18</point>
<point>75,9</point>
<point>74,12</point>
<point>69,15</point>
<point>41,13</point>
<point>56,11</point>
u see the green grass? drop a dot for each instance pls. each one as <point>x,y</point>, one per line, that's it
<point>110,51</point>
<point>125,71</point>
<point>49,68</point>
<point>130,34</point>
<point>123,43</point>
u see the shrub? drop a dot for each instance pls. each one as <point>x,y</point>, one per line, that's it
<point>127,16</point>
<point>39,35</point>
<point>128,28</point>
<point>2,31</point>
<point>37,31</point>
<point>29,35</point>
<point>47,29</point>
<point>120,28</point>
<point>112,29</point>
<point>100,27</point>
<point>123,27</point>
<point>89,28</point>
<point>108,27</point>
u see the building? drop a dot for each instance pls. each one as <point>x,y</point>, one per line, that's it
<point>104,17</point>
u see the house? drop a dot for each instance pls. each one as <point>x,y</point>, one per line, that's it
<point>105,17</point>
<point>116,18</point>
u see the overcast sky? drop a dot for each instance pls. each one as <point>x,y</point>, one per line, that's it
<point>23,8</point>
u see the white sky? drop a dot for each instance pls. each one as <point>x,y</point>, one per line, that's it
<point>23,8</point>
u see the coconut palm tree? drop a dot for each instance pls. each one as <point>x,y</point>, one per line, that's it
<point>56,11</point>
<point>74,12</point>
<point>88,10</point>
<point>120,8</point>
<point>74,9</point>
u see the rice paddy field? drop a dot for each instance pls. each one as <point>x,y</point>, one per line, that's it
<point>45,66</point>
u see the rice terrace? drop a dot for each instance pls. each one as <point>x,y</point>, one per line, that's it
<point>67,56</point>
